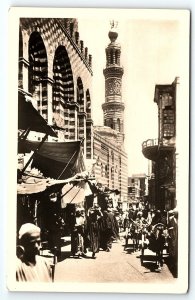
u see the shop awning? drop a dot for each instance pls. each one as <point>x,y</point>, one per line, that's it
<point>72,190</point>
<point>32,188</point>
<point>57,160</point>
<point>73,193</point>
<point>29,117</point>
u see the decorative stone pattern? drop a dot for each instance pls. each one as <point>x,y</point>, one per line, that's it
<point>54,68</point>
<point>113,86</point>
<point>111,164</point>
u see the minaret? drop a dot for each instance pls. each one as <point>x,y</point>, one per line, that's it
<point>113,108</point>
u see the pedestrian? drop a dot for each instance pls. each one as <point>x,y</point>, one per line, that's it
<point>107,230</point>
<point>157,218</point>
<point>77,235</point>
<point>56,225</point>
<point>115,227</point>
<point>93,232</point>
<point>173,238</point>
<point>120,222</point>
<point>30,266</point>
<point>149,217</point>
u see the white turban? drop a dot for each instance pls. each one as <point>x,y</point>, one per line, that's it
<point>28,229</point>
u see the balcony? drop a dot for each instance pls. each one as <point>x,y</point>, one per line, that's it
<point>154,148</point>
<point>150,149</point>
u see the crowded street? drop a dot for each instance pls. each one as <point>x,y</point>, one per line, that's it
<point>116,266</point>
<point>88,209</point>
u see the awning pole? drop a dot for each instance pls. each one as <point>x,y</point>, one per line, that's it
<point>69,160</point>
<point>31,158</point>
<point>75,195</point>
<point>67,165</point>
<point>73,185</point>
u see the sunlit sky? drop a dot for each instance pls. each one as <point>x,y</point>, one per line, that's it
<point>149,55</point>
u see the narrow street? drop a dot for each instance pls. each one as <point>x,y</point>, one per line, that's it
<point>115,266</point>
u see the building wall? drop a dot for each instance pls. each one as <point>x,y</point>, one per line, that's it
<point>55,74</point>
<point>137,187</point>
<point>111,165</point>
<point>162,152</point>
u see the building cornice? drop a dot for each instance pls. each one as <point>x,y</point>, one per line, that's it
<point>75,46</point>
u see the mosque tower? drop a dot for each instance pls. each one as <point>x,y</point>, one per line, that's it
<point>113,108</point>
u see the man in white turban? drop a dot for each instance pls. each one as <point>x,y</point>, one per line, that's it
<point>30,266</point>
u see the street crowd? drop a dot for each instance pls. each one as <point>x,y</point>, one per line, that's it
<point>96,230</point>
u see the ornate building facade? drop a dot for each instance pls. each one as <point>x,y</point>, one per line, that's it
<point>111,159</point>
<point>162,151</point>
<point>55,74</point>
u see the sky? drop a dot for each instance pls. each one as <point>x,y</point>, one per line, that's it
<point>150,54</point>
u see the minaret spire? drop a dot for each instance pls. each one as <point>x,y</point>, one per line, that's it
<point>113,108</point>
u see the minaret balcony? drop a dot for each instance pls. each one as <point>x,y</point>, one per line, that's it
<point>113,69</point>
<point>152,149</point>
<point>113,106</point>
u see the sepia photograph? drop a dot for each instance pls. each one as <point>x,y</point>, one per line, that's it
<point>99,144</point>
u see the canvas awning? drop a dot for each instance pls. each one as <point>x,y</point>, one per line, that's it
<point>29,117</point>
<point>72,193</point>
<point>32,188</point>
<point>72,190</point>
<point>57,160</point>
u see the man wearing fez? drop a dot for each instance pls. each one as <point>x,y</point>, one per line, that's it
<point>30,266</point>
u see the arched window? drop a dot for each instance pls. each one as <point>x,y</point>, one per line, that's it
<point>110,123</point>
<point>63,93</point>
<point>38,72</point>
<point>63,88</point>
<point>88,104</point>
<point>80,92</point>
<point>102,169</point>
<point>81,125</point>
<point>118,125</point>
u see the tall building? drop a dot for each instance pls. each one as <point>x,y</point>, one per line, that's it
<point>113,108</point>
<point>55,74</point>
<point>137,188</point>
<point>162,151</point>
<point>111,159</point>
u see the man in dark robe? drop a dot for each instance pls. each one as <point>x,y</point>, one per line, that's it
<point>93,232</point>
<point>108,230</point>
